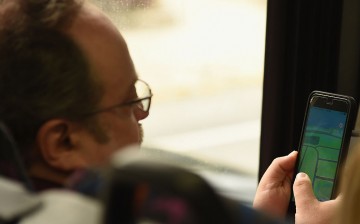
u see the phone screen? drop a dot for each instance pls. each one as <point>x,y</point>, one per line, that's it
<point>321,146</point>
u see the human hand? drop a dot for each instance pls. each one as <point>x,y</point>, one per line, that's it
<point>308,209</point>
<point>273,193</point>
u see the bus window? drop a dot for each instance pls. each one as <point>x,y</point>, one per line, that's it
<point>204,61</point>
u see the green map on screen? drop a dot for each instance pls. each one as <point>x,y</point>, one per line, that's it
<point>320,149</point>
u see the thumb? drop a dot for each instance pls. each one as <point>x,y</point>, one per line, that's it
<point>303,192</point>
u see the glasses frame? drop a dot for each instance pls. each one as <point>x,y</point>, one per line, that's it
<point>125,104</point>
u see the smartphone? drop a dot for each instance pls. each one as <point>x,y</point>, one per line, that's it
<point>328,123</point>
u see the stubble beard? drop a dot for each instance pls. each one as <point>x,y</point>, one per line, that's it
<point>141,134</point>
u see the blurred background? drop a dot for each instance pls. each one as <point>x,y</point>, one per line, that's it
<point>204,60</point>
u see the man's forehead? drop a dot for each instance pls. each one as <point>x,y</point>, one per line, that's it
<point>105,49</point>
<point>96,35</point>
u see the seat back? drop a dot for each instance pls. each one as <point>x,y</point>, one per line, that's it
<point>11,162</point>
<point>147,192</point>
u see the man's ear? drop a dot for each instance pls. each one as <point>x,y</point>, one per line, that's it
<point>57,142</point>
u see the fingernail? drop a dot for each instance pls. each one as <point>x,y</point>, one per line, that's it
<point>291,153</point>
<point>301,175</point>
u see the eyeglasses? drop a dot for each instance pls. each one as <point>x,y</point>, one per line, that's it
<point>142,101</point>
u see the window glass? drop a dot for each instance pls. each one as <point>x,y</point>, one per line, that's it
<point>204,61</point>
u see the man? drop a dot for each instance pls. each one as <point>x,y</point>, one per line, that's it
<point>71,97</point>
<point>55,97</point>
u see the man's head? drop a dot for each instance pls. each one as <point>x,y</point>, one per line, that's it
<point>61,63</point>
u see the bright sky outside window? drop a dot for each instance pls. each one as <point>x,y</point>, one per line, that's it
<point>204,61</point>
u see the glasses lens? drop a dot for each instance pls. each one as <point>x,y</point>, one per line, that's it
<point>143,92</point>
<point>142,89</point>
<point>144,104</point>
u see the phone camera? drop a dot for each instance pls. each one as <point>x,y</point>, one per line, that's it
<point>329,102</point>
